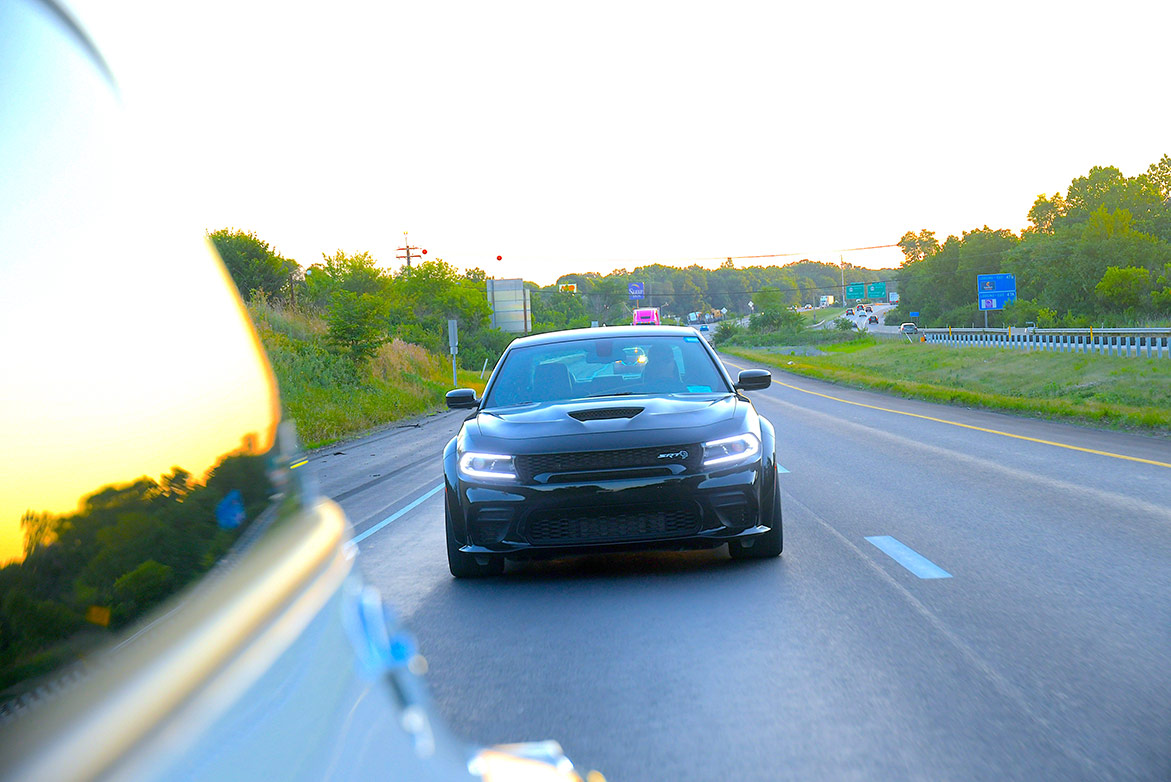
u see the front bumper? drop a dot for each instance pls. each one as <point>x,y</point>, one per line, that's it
<point>696,510</point>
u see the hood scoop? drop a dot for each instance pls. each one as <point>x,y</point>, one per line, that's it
<point>605,413</point>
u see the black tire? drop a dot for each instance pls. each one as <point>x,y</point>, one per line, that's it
<point>768,544</point>
<point>464,565</point>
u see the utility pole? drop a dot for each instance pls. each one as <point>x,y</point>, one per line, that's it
<point>842,263</point>
<point>407,249</point>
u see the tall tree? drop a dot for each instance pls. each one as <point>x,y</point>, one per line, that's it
<point>1124,288</point>
<point>253,265</point>
<point>357,273</point>
<point>1159,175</point>
<point>356,325</point>
<point>918,246</point>
<point>1087,193</point>
<point>1045,212</point>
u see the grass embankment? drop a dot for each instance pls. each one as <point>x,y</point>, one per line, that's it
<point>818,338</point>
<point>829,314</point>
<point>1113,391</point>
<point>327,398</point>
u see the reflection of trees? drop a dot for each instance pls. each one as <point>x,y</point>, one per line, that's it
<point>38,530</point>
<point>124,550</point>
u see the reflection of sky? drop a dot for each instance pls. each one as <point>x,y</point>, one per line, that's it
<point>124,353</point>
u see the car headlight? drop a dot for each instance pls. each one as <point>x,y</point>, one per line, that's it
<point>730,450</point>
<point>491,466</point>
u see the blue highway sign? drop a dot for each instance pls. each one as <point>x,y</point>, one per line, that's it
<point>995,290</point>
<point>635,289</point>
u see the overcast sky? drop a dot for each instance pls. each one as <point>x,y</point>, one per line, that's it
<point>592,136</point>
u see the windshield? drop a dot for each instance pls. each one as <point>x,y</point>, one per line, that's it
<point>605,367</point>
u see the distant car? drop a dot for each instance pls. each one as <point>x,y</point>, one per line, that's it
<point>909,328</point>
<point>869,308</point>
<point>872,319</point>
<point>850,311</point>
<point>703,327</point>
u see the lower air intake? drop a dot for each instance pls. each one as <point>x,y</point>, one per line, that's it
<point>610,525</point>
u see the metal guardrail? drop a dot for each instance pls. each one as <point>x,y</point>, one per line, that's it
<point>1134,343</point>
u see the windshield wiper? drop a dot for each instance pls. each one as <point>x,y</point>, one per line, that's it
<point>616,393</point>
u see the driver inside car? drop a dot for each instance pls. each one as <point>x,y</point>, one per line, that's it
<point>661,373</point>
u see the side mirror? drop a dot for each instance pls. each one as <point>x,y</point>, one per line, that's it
<point>754,380</point>
<point>461,398</point>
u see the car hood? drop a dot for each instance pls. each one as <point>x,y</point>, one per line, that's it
<point>661,420</point>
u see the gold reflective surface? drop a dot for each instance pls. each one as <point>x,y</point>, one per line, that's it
<point>140,452</point>
<point>110,400</point>
<point>138,414</point>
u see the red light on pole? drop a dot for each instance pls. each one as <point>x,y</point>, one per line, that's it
<point>499,258</point>
<point>424,252</point>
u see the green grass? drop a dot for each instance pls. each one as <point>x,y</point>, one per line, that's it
<point>852,346</point>
<point>1112,391</point>
<point>328,399</point>
<point>817,316</point>
<point>823,339</point>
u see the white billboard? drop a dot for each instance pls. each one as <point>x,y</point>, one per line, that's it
<point>511,304</point>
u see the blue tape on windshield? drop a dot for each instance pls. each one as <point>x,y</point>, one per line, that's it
<point>691,339</point>
<point>699,389</point>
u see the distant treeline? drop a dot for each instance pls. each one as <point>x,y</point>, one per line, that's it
<point>677,292</point>
<point>1098,255</point>
<point>366,306</point>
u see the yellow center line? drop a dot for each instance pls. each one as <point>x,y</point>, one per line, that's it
<point>977,428</point>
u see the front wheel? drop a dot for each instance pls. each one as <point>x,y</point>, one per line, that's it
<point>768,544</point>
<point>463,564</point>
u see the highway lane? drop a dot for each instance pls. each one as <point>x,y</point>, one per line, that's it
<point>880,311</point>
<point>1044,655</point>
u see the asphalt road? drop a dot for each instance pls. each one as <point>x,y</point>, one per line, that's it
<point>880,311</point>
<point>1045,653</point>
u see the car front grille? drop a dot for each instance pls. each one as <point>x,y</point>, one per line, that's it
<point>531,465</point>
<point>604,525</point>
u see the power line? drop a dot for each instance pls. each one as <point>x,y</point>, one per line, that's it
<point>794,255</point>
<point>806,254</point>
<point>668,261</point>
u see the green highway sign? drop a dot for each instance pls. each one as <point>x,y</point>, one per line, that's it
<point>854,290</point>
<point>876,290</point>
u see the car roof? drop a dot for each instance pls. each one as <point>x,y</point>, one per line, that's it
<point>571,335</point>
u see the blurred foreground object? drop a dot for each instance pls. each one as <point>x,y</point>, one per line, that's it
<point>176,599</point>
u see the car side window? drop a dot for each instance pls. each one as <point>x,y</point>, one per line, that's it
<point>698,373</point>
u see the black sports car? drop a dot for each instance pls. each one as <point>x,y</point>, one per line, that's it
<point>607,439</point>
